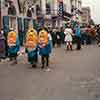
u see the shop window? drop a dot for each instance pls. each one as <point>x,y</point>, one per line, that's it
<point>38,10</point>
<point>30,25</point>
<point>29,12</point>
<point>12,22</point>
<point>11,9</point>
<point>5,25</point>
<point>48,6</point>
<point>48,9</point>
<point>72,9</point>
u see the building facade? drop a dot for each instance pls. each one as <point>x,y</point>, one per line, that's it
<point>86,15</point>
<point>9,14</point>
<point>0,15</point>
<point>22,14</point>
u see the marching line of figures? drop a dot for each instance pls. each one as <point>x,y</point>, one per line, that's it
<point>33,43</point>
<point>41,41</point>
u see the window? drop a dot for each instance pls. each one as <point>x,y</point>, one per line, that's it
<point>29,12</point>
<point>12,22</point>
<point>11,9</point>
<point>48,7</point>
<point>30,25</point>
<point>38,10</point>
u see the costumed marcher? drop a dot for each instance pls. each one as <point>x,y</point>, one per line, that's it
<point>44,47</point>
<point>31,47</point>
<point>50,38</point>
<point>68,37</point>
<point>58,38</point>
<point>2,45</point>
<point>13,45</point>
<point>62,35</point>
<point>54,37</point>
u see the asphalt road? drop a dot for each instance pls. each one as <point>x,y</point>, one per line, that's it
<point>74,76</point>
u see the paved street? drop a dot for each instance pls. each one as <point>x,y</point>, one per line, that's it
<point>74,76</point>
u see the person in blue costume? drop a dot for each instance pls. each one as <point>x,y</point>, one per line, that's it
<point>45,47</point>
<point>78,36</point>
<point>31,47</point>
<point>13,45</point>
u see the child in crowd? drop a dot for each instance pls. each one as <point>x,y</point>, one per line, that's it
<point>68,37</point>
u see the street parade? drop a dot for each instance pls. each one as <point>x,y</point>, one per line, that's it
<point>49,50</point>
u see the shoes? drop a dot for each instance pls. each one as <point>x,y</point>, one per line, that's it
<point>42,67</point>
<point>71,49</point>
<point>34,66</point>
<point>47,69</point>
<point>14,62</point>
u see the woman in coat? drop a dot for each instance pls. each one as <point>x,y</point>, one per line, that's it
<point>68,37</point>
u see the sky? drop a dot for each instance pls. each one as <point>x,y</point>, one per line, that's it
<point>95,9</point>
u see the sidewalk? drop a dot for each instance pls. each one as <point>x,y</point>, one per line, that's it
<point>20,53</point>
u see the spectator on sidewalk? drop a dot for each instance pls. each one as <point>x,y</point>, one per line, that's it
<point>58,38</point>
<point>2,45</point>
<point>78,36</point>
<point>54,37</point>
<point>62,35</point>
<point>68,37</point>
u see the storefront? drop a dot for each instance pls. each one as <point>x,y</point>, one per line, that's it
<point>0,15</point>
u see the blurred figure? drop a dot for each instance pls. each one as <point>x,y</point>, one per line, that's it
<point>68,37</point>
<point>58,38</point>
<point>98,30</point>
<point>11,9</point>
<point>98,34</point>
<point>2,45</point>
<point>62,35</point>
<point>78,36</point>
<point>54,37</point>
<point>2,34</point>
<point>50,37</point>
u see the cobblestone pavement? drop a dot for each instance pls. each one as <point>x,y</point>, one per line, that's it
<point>74,76</point>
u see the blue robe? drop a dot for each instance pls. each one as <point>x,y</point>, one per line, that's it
<point>14,49</point>
<point>32,53</point>
<point>33,56</point>
<point>78,31</point>
<point>45,50</point>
